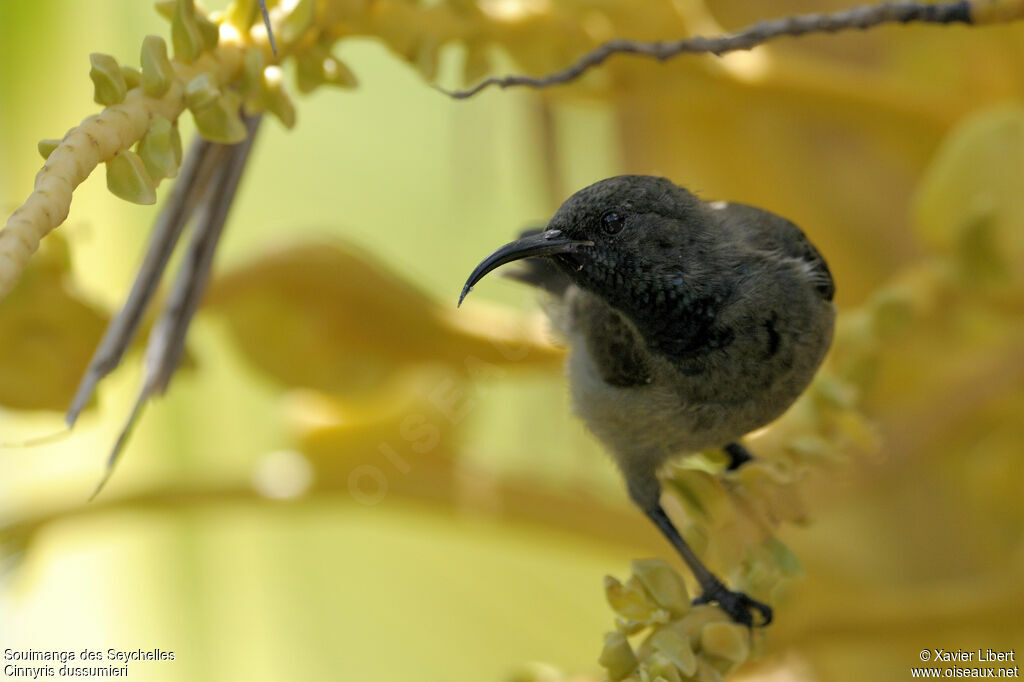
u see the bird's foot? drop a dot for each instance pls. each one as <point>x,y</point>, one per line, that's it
<point>737,605</point>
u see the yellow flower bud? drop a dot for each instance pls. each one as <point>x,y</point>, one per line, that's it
<point>241,14</point>
<point>663,584</point>
<point>317,67</point>
<point>784,557</point>
<point>705,673</point>
<point>835,392</point>
<point>253,86</point>
<point>726,640</point>
<point>209,32</point>
<point>699,616</point>
<point>659,667</point>
<point>629,600</point>
<point>298,21</point>
<point>617,657</point>
<point>336,73</point>
<point>278,102</point>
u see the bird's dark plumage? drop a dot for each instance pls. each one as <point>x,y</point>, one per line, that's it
<point>689,323</point>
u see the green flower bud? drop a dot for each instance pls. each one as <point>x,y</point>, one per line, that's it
<point>660,667</point>
<point>165,8</point>
<point>617,657</point>
<point>157,72</point>
<point>298,21</point>
<point>836,393</point>
<point>705,673</point>
<point>241,14</point>
<point>222,121</point>
<point>277,100</point>
<point>663,584</point>
<point>46,147</point>
<point>809,446</point>
<point>336,73</point>
<point>176,144</point>
<point>699,616</point>
<point>784,557</point>
<point>185,32</point>
<point>675,646</point>
<point>109,86</point>
<point>201,92</point>
<point>156,148</point>
<point>253,86</point>
<point>892,309</point>
<point>318,67</point>
<point>726,640</point>
<point>127,178</point>
<point>629,600</point>
<point>132,76</point>
<point>209,31</point>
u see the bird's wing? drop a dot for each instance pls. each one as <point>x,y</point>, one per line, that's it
<point>612,342</point>
<point>772,233</point>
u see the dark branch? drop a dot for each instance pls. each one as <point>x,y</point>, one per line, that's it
<point>203,157</point>
<point>963,11</point>
<point>166,341</point>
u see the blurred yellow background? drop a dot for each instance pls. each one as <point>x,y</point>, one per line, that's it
<point>348,480</point>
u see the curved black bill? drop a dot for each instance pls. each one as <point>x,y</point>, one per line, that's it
<point>539,245</point>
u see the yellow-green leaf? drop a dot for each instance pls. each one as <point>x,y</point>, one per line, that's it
<point>971,199</point>
<point>47,334</point>
<point>327,317</point>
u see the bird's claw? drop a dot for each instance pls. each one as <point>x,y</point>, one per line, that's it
<point>737,605</point>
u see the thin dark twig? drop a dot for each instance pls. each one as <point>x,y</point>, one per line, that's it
<point>167,340</point>
<point>855,18</point>
<point>202,158</point>
<point>266,22</point>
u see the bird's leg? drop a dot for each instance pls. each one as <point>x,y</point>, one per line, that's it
<point>737,604</point>
<point>738,456</point>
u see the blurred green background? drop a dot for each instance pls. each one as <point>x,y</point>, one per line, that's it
<point>462,560</point>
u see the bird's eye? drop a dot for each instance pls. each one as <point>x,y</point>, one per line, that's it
<point>612,222</point>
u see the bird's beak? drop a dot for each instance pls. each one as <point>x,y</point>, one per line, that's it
<point>538,245</point>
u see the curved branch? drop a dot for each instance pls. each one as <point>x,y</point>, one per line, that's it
<point>864,17</point>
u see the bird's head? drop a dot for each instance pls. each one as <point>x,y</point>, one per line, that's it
<point>625,238</point>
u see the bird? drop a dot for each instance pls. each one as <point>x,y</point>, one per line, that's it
<point>689,324</point>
